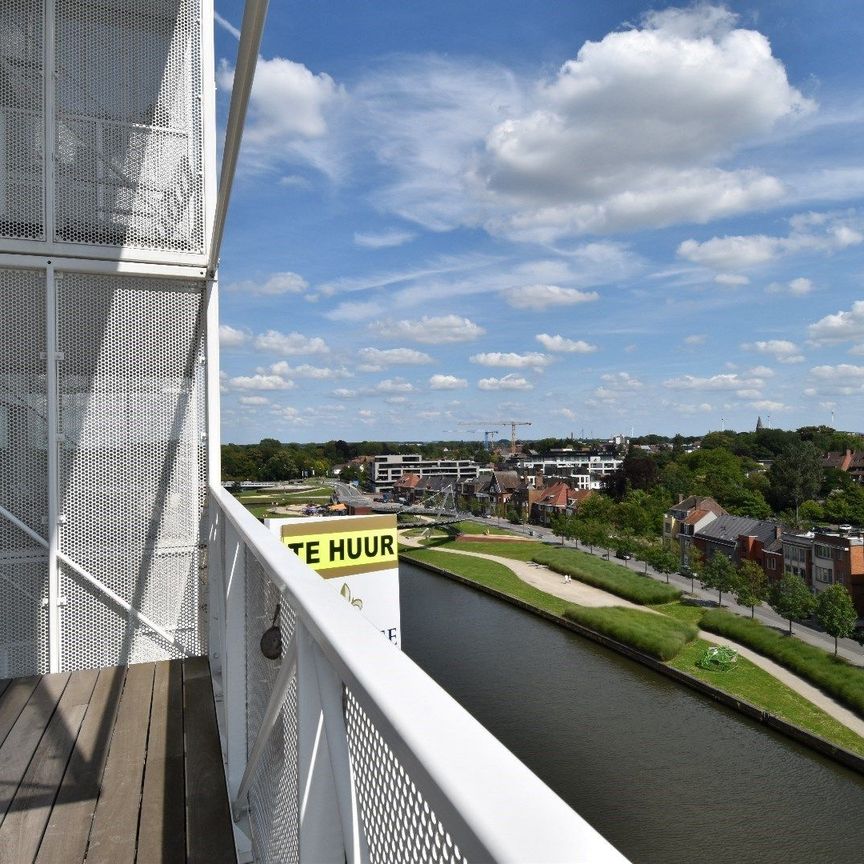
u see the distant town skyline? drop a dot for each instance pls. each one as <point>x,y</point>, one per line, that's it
<point>607,217</point>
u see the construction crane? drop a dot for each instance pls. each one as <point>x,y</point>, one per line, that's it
<point>511,423</point>
<point>489,438</point>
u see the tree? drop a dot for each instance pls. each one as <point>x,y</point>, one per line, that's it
<point>751,586</point>
<point>590,533</point>
<point>836,612</point>
<point>719,573</point>
<point>790,598</point>
<point>795,475</point>
<point>664,561</point>
<point>559,524</point>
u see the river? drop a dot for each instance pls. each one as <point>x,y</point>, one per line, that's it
<point>664,773</point>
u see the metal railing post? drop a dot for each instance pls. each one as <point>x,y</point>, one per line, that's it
<point>52,359</point>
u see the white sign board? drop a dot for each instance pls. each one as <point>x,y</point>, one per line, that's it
<point>357,555</point>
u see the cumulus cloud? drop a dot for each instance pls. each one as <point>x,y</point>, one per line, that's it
<point>431,330</point>
<point>274,285</point>
<point>382,239</point>
<point>511,360</point>
<point>732,279</point>
<point>254,400</point>
<point>695,339</point>
<point>689,408</point>
<point>840,327</point>
<point>508,382</point>
<point>376,359</point>
<point>819,232</point>
<point>288,102</point>
<point>543,296</point>
<point>726,381</point>
<point>841,372</point>
<point>782,350</point>
<point>799,287</point>
<point>562,344</point>
<point>447,382</point>
<point>768,405</point>
<point>260,382</point>
<point>304,370</point>
<point>290,343</point>
<point>231,337</point>
<point>394,385</point>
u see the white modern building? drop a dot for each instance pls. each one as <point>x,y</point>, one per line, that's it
<point>388,468</point>
<point>134,590</point>
<point>581,470</point>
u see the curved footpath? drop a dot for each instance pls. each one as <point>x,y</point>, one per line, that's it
<point>587,595</point>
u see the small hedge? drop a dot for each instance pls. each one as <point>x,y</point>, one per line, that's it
<point>834,675</point>
<point>610,577</point>
<point>657,635</point>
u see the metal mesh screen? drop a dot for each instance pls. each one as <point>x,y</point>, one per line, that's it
<point>23,473</point>
<point>398,823</point>
<point>273,796</point>
<point>129,124</point>
<point>21,120</point>
<point>130,496</point>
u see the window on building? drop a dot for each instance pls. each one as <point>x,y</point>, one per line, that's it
<point>821,551</point>
<point>771,562</point>
<point>823,574</point>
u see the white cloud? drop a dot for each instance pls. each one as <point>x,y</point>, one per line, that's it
<point>290,343</point>
<point>510,360</point>
<point>431,330</point>
<point>761,372</point>
<point>376,359</point>
<point>543,296</point>
<point>394,385</point>
<point>799,287</point>
<point>690,408</point>
<point>782,350</point>
<point>273,286</point>
<point>288,102</point>
<point>731,279</point>
<point>447,382</point>
<point>382,239</point>
<point>260,382</point>
<point>562,344</point>
<point>319,373</point>
<point>621,381</point>
<point>695,339</point>
<point>344,393</point>
<point>729,381</point>
<point>226,25</point>
<point>816,232</point>
<point>844,371</point>
<point>508,382</point>
<point>254,400</point>
<point>231,337</point>
<point>768,405</point>
<point>841,327</point>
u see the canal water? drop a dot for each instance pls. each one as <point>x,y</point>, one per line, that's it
<point>662,772</point>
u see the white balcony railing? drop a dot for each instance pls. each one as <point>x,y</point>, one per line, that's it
<point>344,749</point>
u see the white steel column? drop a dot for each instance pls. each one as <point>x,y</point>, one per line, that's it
<point>52,443</point>
<point>50,143</point>
<point>213,421</point>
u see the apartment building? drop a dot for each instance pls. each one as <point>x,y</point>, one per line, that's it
<point>388,468</point>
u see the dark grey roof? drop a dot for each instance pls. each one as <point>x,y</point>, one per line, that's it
<point>729,528</point>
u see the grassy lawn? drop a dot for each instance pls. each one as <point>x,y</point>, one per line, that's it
<point>493,575</point>
<point>480,528</point>
<point>833,675</point>
<point>683,611</point>
<point>658,635</point>
<point>755,685</point>
<point>521,551</point>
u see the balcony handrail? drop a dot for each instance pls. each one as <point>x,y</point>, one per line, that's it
<point>496,807</point>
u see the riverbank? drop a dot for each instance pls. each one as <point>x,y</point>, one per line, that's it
<point>544,594</point>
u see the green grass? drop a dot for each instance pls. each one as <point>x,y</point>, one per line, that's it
<point>752,684</point>
<point>492,574</point>
<point>603,574</point>
<point>834,675</point>
<point>682,610</point>
<point>658,635</point>
<point>516,549</point>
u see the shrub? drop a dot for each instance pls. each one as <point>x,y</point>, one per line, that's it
<point>657,635</point>
<point>610,577</point>
<point>834,675</point>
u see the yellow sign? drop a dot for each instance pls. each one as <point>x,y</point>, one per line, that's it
<point>342,547</point>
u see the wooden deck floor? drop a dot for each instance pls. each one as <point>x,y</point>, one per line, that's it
<point>113,766</point>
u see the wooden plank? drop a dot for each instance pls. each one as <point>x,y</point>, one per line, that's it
<point>25,735</point>
<point>114,835</point>
<point>12,703</point>
<point>209,831</point>
<point>162,832</point>
<point>21,831</point>
<point>68,829</point>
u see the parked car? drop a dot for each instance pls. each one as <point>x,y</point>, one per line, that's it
<point>623,554</point>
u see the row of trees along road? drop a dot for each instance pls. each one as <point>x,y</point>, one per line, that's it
<point>789,597</point>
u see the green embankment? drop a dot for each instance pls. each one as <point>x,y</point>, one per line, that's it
<point>658,635</point>
<point>745,681</point>
<point>834,675</point>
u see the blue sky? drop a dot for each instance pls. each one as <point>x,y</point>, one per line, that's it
<point>596,217</point>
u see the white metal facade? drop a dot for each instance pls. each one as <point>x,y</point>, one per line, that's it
<point>106,199</point>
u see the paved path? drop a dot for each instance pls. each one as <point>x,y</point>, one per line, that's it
<point>587,595</point>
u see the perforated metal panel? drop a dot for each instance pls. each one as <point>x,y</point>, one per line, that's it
<point>398,822</point>
<point>23,473</point>
<point>21,120</point>
<point>129,124</point>
<point>273,796</point>
<point>130,464</point>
